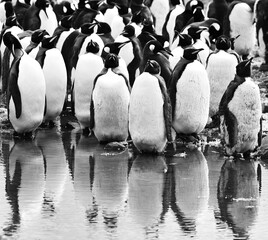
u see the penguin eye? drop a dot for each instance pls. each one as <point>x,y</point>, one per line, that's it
<point>59,22</point>
<point>107,49</point>
<point>64,9</point>
<point>152,47</point>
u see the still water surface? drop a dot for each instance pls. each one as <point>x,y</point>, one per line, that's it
<point>64,185</point>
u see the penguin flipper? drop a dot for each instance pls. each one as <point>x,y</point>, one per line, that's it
<point>40,56</point>
<point>167,108</point>
<point>77,48</point>
<point>232,127</point>
<point>92,114</point>
<point>45,109</point>
<point>5,69</point>
<point>13,88</point>
<point>229,93</point>
<point>260,133</point>
<point>176,74</point>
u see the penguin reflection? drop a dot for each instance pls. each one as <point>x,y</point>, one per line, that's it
<point>25,183</point>
<point>146,185</point>
<point>56,171</point>
<point>238,194</point>
<point>83,174</point>
<point>110,185</point>
<point>191,189</point>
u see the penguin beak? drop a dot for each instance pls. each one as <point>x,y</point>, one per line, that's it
<point>53,39</point>
<point>123,44</point>
<point>168,52</point>
<point>202,29</point>
<point>249,61</point>
<point>198,50</point>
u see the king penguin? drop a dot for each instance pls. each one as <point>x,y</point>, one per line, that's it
<point>240,113</point>
<point>40,16</point>
<point>89,65</point>
<point>130,52</point>
<point>110,103</point>
<point>154,50</point>
<point>150,114</point>
<point>240,21</point>
<point>189,94</point>
<point>221,69</point>
<point>26,89</point>
<point>50,58</point>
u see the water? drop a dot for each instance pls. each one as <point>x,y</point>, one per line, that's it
<point>64,185</point>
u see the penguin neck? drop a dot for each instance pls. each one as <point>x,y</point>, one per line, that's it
<point>239,79</point>
<point>30,47</point>
<point>18,53</point>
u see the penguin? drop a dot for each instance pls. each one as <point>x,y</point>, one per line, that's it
<point>183,41</point>
<point>150,119</point>
<point>20,8</point>
<point>217,9</point>
<point>198,15</point>
<point>80,44</point>
<point>154,50</point>
<point>187,14</point>
<point>240,21</point>
<point>115,48</point>
<point>104,32</point>
<point>189,94</point>
<point>240,112</point>
<point>168,30</point>
<point>40,16</point>
<point>26,98</point>
<point>221,69</point>
<point>88,11</point>
<point>195,33</point>
<point>110,102</point>
<point>261,8</point>
<point>89,65</point>
<point>160,10</point>
<point>130,52</point>
<point>63,9</point>
<point>49,58</point>
<point>6,11</point>
<point>63,30</point>
<point>36,38</point>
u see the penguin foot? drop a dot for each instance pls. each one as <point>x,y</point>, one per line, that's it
<point>23,136</point>
<point>51,124</point>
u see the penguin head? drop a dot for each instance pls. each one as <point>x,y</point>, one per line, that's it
<point>185,40</point>
<point>68,8</point>
<point>191,53</point>
<point>233,41</point>
<point>11,21</point>
<point>13,44</point>
<point>42,5</point>
<point>94,4</point>
<point>215,29</point>
<point>38,35</point>
<point>9,9</point>
<point>175,2</point>
<point>148,26</point>
<point>195,31</point>
<point>152,67</point>
<point>103,28</point>
<point>223,43</point>
<point>49,42</point>
<point>243,69</point>
<point>155,47</point>
<point>193,4</point>
<point>198,14</point>
<point>66,21</point>
<point>114,47</point>
<point>88,28</point>
<point>111,61</point>
<point>93,47</point>
<point>137,17</point>
<point>129,31</point>
<point>123,10</point>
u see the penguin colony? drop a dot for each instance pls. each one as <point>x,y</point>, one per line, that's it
<point>147,70</point>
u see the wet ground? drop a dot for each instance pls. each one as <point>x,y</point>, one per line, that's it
<point>64,185</point>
